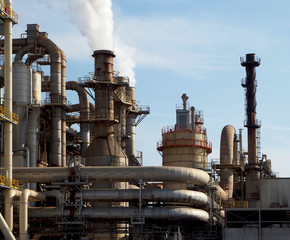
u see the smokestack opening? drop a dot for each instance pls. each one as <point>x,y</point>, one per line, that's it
<point>104,65</point>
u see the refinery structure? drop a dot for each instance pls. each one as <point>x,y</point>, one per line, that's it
<point>58,182</point>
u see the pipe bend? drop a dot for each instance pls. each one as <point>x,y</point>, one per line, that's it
<point>28,194</point>
<point>22,51</point>
<point>51,47</point>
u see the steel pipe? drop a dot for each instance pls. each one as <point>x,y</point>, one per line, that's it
<point>84,113</point>
<point>8,108</point>
<point>158,195</point>
<point>9,195</point>
<point>23,212</point>
<point>125,213</point>
<point>114,174</point>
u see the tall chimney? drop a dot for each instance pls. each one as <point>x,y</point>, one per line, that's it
<point>252,183</point>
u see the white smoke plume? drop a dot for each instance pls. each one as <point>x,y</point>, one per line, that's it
<point>94,18</point>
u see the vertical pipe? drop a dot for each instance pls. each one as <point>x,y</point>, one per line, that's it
<point>8,201</point>
<point>63,94</point>
<point>23,212</point>
<point>8,108</point>
<point>131,127</point>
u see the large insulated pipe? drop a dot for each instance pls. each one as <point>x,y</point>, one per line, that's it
<point>5,229</point>
<point>84,113</point>
<point>226,159</point>
<point>125,213</point>
<point>131,127</point>
<point>8,108</point>
<point>114,174</point>
<point>8,203</point>
<point>17,42</point>
<point>23,212</point>
<point>168,213</point>
<point>56,97</point>
<point>58,63</point>
<point>63,94</point>
<point>158,195</point>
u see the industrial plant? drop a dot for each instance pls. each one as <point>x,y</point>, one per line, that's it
<point>62,182</point>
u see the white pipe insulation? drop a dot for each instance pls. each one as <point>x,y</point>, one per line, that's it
<point>158,195</point>
<point>23,212</point>
<point>125,213</point>
<point>63,117</point>
<point>113,174</point>
<point>8,201</point>
<point>8,143</point>
<point>226,159</point>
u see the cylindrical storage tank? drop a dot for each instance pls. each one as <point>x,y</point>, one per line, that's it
<point>226,159</point>
<point>36,87</point>
<point>22,96</point>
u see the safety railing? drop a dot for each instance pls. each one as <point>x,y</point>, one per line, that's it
<point>143,109</point>
<point>11,183</point>
<point>175,128</point>
<point>239,204</point>
<point>57,99</point>
<point>244,59</point>
<point>13,15</point>
<point>8,115</point>
<point>184,143</point>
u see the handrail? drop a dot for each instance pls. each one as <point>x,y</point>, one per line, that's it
<point>184,143</point>
<point>11,183</point>
<point>175,128</point>
<point>14,117</point>
<point>5,10</point>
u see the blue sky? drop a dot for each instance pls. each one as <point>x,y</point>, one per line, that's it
<point>193,47</point>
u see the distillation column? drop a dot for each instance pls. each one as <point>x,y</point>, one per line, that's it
<point>252,183</point>
<point>185,144</point>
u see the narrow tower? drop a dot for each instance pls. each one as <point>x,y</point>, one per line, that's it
<point>252,183</point>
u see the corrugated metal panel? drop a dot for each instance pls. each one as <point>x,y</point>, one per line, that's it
<point>275,192</point>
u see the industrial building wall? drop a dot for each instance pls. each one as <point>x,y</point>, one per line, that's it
<point>275,193</point>
<point>253,233</point>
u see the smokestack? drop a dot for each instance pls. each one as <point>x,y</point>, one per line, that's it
<point>252,185</point>
<point>104,64</point>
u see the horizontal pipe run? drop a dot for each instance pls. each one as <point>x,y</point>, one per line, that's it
<point>158,195</point>
<point>125,213</point>
<point>113,174</point>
